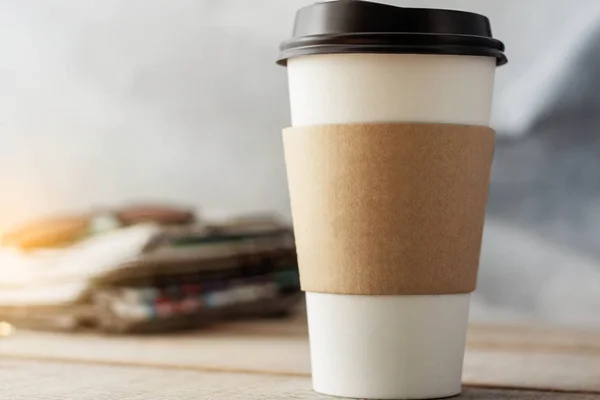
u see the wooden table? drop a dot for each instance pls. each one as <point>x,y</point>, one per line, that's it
<point>269,360</point>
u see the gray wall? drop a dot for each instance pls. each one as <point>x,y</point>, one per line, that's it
<point>108,101</point>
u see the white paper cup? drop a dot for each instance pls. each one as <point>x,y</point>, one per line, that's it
<point>403,346</point>
<point>389,347</point>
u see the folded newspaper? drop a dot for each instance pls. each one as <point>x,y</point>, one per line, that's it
<point>148,272</point>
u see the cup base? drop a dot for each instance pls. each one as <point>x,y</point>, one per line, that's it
<point>387,347</point>
<point>444,396</point>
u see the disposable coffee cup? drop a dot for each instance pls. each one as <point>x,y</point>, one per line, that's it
<point>356,68</point>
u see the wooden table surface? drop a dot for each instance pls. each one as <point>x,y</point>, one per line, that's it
<point>269,360</point>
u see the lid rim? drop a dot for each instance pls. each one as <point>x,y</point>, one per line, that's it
<point>501,59</point>
<point>393,43</point>
<point>391,38</point>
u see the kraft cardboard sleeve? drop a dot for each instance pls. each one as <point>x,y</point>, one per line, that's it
<point>388,209</point>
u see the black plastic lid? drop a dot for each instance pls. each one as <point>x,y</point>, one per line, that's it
<point>355,26</point>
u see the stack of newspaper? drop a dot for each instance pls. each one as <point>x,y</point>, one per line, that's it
<point>145,269</point>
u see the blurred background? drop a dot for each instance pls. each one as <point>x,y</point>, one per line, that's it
<point>113,102</point>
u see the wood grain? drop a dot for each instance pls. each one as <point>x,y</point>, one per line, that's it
<point>523,357</point>
<point>34,380</point>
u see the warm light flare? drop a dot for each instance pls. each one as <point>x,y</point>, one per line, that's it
<point>6,329</point>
